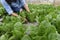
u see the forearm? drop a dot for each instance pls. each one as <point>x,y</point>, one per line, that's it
<point>26,7</point>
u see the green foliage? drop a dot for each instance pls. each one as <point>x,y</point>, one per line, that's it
<point>4,37</point>
<point>47,17</point>
<point>26,37</point>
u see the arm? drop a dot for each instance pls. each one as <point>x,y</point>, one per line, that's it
<point>25,5</point>
<point>7,8</point>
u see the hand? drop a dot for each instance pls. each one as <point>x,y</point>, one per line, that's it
<point>23,19</point>
<point>15,14</point>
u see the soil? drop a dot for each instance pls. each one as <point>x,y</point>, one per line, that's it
<point>29,24</point>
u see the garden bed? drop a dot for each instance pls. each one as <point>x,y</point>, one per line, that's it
<point>44,22</point>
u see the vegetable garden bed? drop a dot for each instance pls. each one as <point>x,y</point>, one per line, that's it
<point>48,28</point>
